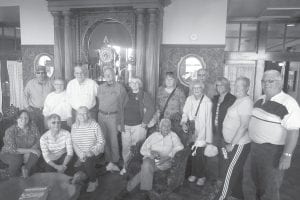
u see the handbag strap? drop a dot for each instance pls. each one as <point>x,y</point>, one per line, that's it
<point>199,106</point>
<point>166,104</point>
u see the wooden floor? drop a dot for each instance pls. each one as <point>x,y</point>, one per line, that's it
<point>111,183</point>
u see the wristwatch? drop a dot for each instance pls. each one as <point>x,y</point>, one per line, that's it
<point>287,154</point>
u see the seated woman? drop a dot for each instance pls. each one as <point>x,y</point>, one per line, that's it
<point>88,143</point>
<point>158,151</point>
<point>56,146</point>
<point>138,111</point>
<point>197,108</point>
<point>21,145</point>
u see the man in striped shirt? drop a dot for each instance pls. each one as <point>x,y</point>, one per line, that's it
<point>88,143</point>
<point>273,129</point>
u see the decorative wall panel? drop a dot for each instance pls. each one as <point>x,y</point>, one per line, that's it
<point>29,52</point>
<point>213,57</point>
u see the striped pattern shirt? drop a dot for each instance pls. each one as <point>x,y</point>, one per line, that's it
<point>87,138</point>
<point>53,147</point>
<point>271,119</point>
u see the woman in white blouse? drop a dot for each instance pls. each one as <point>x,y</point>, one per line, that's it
<point>197,108</point>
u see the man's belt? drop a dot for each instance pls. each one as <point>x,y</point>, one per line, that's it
<point>108,113</point>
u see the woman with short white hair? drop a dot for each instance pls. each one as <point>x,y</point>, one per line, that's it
<point>137,113</point>
<point>197,108</point>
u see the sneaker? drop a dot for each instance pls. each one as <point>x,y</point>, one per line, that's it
<point>123,171</point>
<point>192,179</point>
<point>92,186</point>
<point>109,166</point>
<point>114,167</point>
<point>201,181</point>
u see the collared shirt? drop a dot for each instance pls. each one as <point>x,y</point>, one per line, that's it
<point>57,103</point>
<point>16,137</point>
<point>203,120</point>
<point>87,138</point>
<point>167,145</point>
<point>82,94</point>
<point>271,119</point>
<point>53,147</point>
<point>111,97</point>
<point>241,107</point>
<point>35,93</point>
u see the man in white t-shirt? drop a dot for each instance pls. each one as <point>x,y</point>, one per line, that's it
<point>82,91</point>
<point>274,130</point>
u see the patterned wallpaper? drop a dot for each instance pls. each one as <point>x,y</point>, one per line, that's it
<point>29,52</point>
<point>213,57</point>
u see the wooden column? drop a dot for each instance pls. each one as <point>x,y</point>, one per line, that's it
<point>260,66</point>
<point>58,61</point>
<point>68,46</point>
<point>140,43</point>
<point>151,65</point>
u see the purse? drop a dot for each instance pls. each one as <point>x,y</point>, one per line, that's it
<point>191,123</point>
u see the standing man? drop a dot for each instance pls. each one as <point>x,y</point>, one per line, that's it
<point>111,97</point>
<point>273,129</point>
<point>35,93</point>
<point>82,91</point>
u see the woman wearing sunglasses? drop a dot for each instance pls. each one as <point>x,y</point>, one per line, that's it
<point>56,146</point>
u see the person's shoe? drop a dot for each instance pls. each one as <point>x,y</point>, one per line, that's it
<point>201,181</point>
<point>123,194</point>
<point>114,167</point>
<point>109,166</point>
<point>92,186</point>
<point>123,171</point>
<point>192,179</point>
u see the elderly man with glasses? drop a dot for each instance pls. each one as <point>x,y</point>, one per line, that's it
<point>273,129</point>
<point>35,94</point>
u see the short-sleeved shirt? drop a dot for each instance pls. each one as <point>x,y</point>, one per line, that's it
<point>35,93</point>
<point>241,107</point>
<point>271,119</point>
<point>82,94</point>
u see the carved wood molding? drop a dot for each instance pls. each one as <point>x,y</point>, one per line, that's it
<point>88,21</point>
<point>212,55</point>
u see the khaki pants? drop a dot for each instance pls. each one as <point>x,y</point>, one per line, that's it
<point>132,135</point>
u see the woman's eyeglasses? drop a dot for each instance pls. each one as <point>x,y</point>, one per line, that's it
<point>40,72</point>
<point>56,122</point>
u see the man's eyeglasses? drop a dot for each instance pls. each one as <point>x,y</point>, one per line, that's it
<point>56,122</point>
<point>268,81</point>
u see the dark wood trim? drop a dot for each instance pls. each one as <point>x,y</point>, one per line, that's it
<point>194,45</point>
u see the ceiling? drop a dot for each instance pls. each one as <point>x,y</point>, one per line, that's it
<point>251,10</point>
<point>262,10</point>
<point>10,15</point>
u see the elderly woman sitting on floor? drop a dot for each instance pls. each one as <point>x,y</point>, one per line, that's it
<point>158,151</point>
<point>21,145</point>
<point>88,143</point>
<point>56,146</point>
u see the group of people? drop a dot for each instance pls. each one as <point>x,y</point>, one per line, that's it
<point>253,142</point>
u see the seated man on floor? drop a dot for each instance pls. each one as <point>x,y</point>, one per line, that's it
<point>158,151</point>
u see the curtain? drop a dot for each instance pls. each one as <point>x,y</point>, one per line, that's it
<point>15,74</point>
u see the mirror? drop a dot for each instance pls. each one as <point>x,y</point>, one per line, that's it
<point>188,67</point>
<point>110,44</point>
<point>45,59</point>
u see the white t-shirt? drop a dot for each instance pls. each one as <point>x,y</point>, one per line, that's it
<point>241,107</point>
